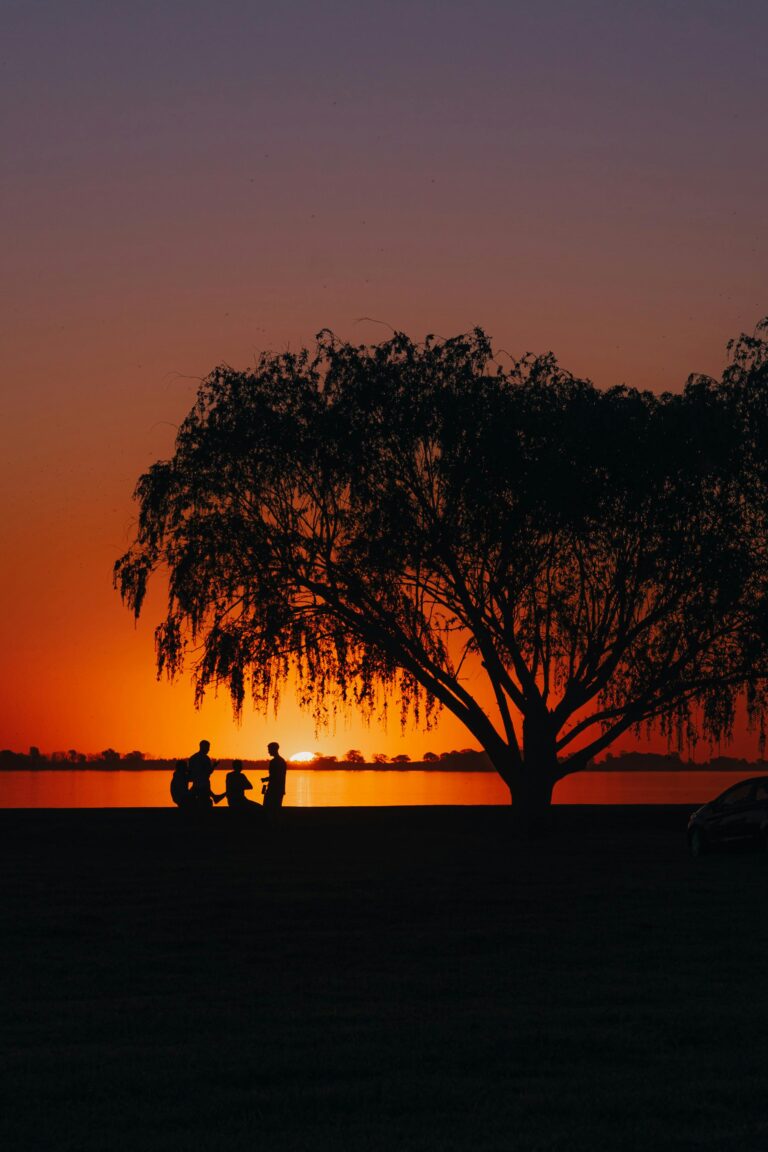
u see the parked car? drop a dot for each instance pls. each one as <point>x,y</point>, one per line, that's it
<point>740,814</point>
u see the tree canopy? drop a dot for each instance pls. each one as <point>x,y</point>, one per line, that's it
<point>371,520</point>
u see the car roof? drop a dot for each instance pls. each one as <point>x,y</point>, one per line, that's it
<point>738,783</point>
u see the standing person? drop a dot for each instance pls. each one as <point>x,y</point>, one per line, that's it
<point>237,785</point>
<point>273,797</point>
<point>200,768</point>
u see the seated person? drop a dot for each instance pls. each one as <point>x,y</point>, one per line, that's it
<point>237,784</point>
<point>180,793</point>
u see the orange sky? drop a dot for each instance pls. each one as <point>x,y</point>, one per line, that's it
<point>188,186</point>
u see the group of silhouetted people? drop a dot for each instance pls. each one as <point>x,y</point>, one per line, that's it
<point>191,783</point>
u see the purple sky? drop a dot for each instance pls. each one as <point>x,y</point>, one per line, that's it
<point>188,183</point>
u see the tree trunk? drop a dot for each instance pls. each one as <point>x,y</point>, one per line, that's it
<point>532,802</point>
<point>536,777</point>
<point>532,794</point>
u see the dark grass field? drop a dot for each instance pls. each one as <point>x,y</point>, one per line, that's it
<point>380,979</point>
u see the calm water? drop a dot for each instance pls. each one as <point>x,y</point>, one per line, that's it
<point>81,788</point>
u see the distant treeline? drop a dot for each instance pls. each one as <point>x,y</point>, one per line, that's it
<point>465,760</point>
<point>673,762</point>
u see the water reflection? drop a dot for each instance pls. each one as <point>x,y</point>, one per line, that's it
<point>78,788</point>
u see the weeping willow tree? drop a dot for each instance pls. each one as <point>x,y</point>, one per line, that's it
<point>370,521</point>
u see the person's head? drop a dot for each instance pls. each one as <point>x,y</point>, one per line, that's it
<point>205,745</point>
<point>273,748</point>
<point>237,765</point>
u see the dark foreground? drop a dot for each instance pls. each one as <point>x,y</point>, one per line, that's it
<point>380,979</point>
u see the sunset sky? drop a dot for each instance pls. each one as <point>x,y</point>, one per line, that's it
<point>187,183</point>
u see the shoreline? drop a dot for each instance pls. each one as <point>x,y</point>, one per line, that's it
<point>406,815</point>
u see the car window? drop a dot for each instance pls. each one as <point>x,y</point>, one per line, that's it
<point>736,795</point>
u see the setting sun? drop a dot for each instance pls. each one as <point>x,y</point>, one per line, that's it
<point>302,757</point>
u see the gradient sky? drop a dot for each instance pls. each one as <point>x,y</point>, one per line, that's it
<point>188,183</point>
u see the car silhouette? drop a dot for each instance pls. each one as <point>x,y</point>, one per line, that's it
<point>739,815</point>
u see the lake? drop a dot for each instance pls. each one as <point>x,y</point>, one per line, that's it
<point>84,788</point>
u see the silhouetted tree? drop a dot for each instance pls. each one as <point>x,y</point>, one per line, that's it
<point>401,758</point>
<point>376,520</point>
<point>322,761</point>
<point>109,756</point>
<point>380,758</point>
<point>354,756</point>
<point>430,757</point>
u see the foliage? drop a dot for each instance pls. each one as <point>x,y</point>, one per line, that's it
<point>375,520</point>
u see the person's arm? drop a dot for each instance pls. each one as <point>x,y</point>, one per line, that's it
<point>247,786</point>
